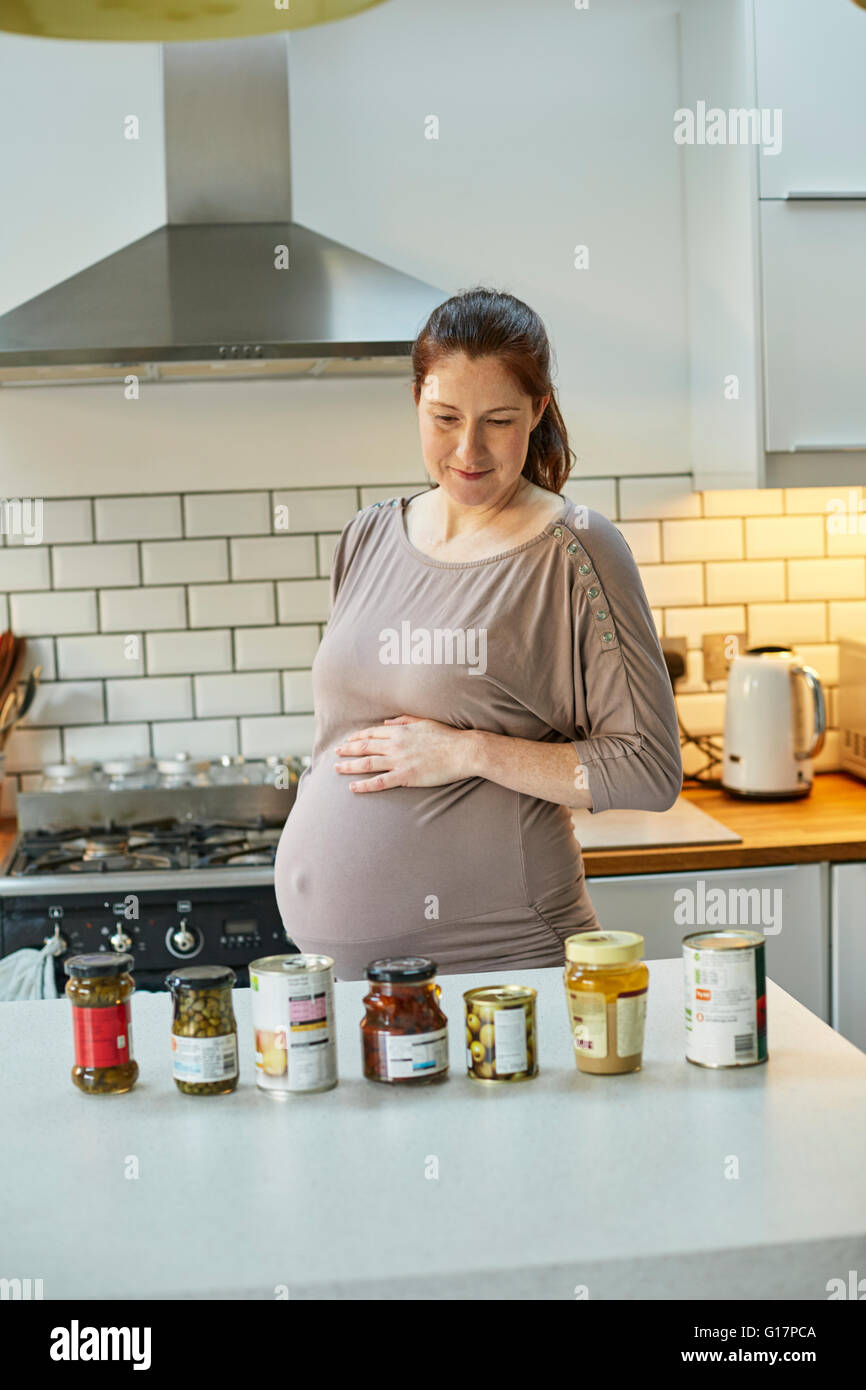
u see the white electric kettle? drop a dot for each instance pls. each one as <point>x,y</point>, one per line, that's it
<point>773,728</point>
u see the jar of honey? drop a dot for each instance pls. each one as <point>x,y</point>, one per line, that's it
<point>606,984</point>
<point>404,1033</point>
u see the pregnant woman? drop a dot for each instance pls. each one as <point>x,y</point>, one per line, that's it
<point>490,661</point>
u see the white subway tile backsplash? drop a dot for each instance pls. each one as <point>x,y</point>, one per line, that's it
<point>746,581</point>
<point>63,520</point>
<point>303,601</point>
<point>298,692</point>
<point>40,652</point>
<point>643,539</point>
<point>211,605</point>
<point>653,497</point>
<point>184,562</point>
<point>599,494</point>
<point>24,567</point>
<point>120,654</point>
<point>848,537</point>
<point>100,741</point>
<point>824,658</point>
<point>170,653</point>
<point>273,557</point>
<point>66,702</point>
<point>826,500</point>
<point>83,566</point>
<point>847,620</point>
<point>841,578</point>
<point>703,714</point>
<point>137,518</point>
<point>768,537</point>
<point>673,584</point>
<point>694,623</point>
<point>29,749</point>
<point>315,509</point>
<point>4,611</point>
<point>703,540</point>
<point>288,735</point>
<point>387,491</point>
<point>250,693</point>
<point>46,615</point>
<point>274,648</point>
<point>787,623</point>
<point>327,544</point>
<point>744,502</point>
<point>201,738</point>
<point>128,610</point>
<point>227,514</point>
<point>154,697</point>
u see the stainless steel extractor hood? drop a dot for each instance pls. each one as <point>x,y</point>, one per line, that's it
<point>231,285</point>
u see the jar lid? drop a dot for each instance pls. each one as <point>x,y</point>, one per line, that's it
<point>99,963</point>
<point>201,977</point>
<point>604,947</point>
<point>402,969</point>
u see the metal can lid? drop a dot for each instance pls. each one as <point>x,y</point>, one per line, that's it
<point>297,964</point>
<point>604,947</point>
<point>402,969</point>
<point>503,995</point>
<point>99,963</point>
<point>729,939</point>
<point>201,977</point>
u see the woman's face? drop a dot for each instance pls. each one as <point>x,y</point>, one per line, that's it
<point>475,424</point>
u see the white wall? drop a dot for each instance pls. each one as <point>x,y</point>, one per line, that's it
<point>72,188</point>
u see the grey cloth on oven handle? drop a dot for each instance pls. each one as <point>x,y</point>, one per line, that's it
<point>29,974</point>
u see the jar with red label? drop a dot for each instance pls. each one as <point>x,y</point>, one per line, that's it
<point>99,989</point>
<point>404,1033</point>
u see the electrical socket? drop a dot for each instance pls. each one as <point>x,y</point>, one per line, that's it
<point>720,648</point>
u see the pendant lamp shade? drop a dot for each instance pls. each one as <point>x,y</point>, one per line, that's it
<point>163,21</point>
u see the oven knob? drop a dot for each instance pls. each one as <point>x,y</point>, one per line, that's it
<point>120,941</point>
<point>183,942</point>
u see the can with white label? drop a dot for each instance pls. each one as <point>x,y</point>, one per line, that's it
<point>293,1024</point>
<point>501,1042</point>
<point>725,998</point>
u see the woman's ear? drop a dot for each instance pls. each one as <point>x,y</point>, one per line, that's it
<point>539,411</point>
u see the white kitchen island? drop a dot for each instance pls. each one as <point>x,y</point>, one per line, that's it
<point>565,1186</point>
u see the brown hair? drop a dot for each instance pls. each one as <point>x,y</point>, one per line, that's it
<point>486,323</point>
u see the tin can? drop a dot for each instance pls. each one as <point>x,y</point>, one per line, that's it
<point>293,1024</point>
<point>501,1042</point>
<point>726,998</point>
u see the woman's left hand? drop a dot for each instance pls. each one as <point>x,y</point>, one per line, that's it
<point>406,752</point>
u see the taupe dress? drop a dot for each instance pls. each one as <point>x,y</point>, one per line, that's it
<point>552,640</point>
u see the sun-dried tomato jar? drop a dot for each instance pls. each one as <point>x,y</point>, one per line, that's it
<point>99,989</point>
<point>404,1033</point>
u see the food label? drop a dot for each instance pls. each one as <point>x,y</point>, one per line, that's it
<point>204,1059</point>
<point>414,1054</point>
<point>103,1037</point>
<point>293,1019</point>
<point>724,1012</point>
<point>509,1041</point>
<point>630,1020</point>
<point>588,1012</point>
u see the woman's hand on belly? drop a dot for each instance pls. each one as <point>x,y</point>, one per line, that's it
<point>407,752</point>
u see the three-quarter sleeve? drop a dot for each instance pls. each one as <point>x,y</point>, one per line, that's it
<point>624,701</point>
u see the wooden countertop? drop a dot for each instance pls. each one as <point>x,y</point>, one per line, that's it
<point>830,823</point>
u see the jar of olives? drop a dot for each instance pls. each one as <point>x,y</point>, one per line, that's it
<point>204,1033</point>
<point>99,989</point>
<point>404,1033</point>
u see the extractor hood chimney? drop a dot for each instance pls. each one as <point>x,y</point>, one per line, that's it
<point>231,282</point>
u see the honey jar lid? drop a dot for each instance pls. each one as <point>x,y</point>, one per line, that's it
<point>604,947</point>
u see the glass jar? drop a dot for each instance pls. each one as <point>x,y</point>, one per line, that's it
<point>71,776</point>
<point>404,1033</point>
<point>99,989</point>
<point>606,985</point>
<point>204,1033</point>
<point>130,774</point>
<point>182,771</point>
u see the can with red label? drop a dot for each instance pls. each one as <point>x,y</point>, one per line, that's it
<point>99,989</point>
<point>293,1023</point>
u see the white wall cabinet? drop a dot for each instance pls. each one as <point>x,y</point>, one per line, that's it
<point>848,951</point>
<point>811,61</point>
<point>813,257</point>
<point>797,954</point>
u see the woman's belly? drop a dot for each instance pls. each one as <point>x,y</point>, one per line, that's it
<point>364,867</point>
